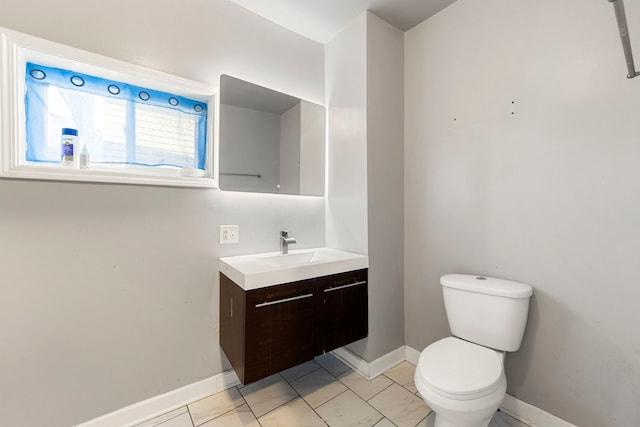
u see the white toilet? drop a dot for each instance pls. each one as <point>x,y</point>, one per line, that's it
<point>462,377</point>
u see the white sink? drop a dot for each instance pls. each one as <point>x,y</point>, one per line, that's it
<point>267,269</point>
<point>281,260</point>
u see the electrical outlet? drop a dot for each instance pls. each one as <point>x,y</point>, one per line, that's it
<point>229,234</point>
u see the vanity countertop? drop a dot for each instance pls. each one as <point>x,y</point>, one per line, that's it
<point>273,268</point>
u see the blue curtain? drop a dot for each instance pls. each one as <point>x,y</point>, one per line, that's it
<point>119,122</point>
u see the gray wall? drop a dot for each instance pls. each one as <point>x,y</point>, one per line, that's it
<point>289,150</point>
<point>521,162</point>
<point>365,201</point>
<point>108,293</point>
<point>385,163</point>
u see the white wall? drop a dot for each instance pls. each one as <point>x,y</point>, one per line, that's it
<point>312,148</point>
<point>521,162</point>
<point>365,203</point>
<point>108,293</point>
<point>346,94</point>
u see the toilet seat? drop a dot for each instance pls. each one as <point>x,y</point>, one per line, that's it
<point>459,369</point>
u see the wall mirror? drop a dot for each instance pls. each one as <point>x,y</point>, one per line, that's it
<point>270,142</point>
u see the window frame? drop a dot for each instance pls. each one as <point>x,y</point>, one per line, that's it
<point>17,49</point>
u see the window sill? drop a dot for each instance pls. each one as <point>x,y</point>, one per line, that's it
<point>115,175</point>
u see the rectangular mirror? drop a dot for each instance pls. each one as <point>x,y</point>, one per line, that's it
<point>270,142</point>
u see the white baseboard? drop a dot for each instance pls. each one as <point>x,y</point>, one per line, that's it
<point>412,355</point>
<point>386,362</point>
<point>530,414</point>
<point>373,369</point>
<point>166,402</point>
<point>355,362</point>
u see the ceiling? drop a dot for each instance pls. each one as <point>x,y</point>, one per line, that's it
<point>321,20</point>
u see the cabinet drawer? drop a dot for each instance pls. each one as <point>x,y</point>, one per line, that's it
<point>342,279</point>
<point>274,295</point>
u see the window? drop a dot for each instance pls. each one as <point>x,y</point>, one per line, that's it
<point>139,125</point>
<point>118,123</point>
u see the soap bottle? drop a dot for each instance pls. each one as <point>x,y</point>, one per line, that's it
<point>84,157</point>
<point>69,141</point>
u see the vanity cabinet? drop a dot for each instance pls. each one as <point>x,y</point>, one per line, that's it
<point>267,330</point>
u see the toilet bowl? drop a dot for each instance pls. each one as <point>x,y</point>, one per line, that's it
<point>462,377</point>
<point>462,382</point>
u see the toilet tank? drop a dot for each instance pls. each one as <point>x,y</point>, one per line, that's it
<point>487,311</point>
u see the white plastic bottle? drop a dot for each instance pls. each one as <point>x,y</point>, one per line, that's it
<point>69,141</point>
<point>84,157</point>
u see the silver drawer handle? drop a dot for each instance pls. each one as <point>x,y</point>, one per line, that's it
<point>264,304</point>
<point>345,286</point>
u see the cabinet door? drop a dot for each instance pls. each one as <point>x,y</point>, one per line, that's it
<point>344,311</point>
<point>280,326</point>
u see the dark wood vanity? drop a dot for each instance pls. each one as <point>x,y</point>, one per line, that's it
<point>267,330</point>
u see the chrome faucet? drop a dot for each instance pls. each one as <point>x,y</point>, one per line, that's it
<point>285,241</point>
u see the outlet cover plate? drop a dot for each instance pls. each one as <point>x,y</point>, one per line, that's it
<point>229,234</point>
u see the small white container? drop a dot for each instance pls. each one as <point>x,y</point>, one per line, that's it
<point>84,157</point>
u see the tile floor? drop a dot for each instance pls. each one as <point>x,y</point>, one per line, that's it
<point>323,392</point>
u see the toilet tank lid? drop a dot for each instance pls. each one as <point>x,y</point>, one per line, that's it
<point>487,285</point>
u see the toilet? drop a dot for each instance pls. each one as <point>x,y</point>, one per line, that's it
<point>462,377</point>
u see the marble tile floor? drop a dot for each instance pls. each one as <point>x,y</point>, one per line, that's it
<point>323,392</point>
